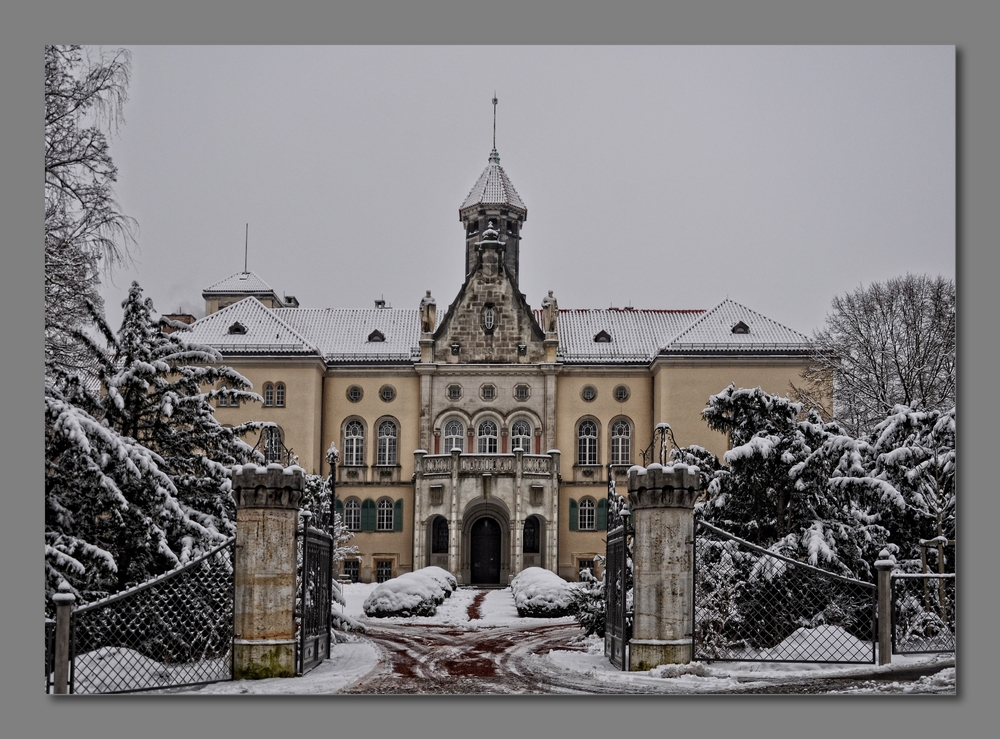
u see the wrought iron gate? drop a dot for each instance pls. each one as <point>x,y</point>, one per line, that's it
<point>753,604</point>
<point>617,581</point>
<point>315,598</point>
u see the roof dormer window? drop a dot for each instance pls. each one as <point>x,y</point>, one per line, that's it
<point>237,328</point>
<point>741,328</point>
<point>602,337</point>
<point>376,335</point>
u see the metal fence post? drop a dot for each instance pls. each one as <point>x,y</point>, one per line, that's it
<point>885,563</point>
<point>64,600</point>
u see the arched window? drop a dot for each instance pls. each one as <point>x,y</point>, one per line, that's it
<point>272,445</point>
<point>520,436</point>
<point>279,395</point>
<point>454,436</point>
<point>352,514</point>
<point>530,541</point>
<point>268,394</point>
<point>439,536</point>
<point>384,520</point>
<point>354,444</point>
<point>621,442</point>
<point>387,433</point>
<point>587,446</point>
<point>588,515</point>
<point>487,438</point>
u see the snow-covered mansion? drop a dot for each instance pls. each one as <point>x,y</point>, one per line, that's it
<point>479,438</point>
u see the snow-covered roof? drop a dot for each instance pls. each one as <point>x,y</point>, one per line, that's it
<point>249,327</point>
<point>714,331</point>
<point>586,336</point>
<point>494,188</point>
<point>635,334</point>
<point>343,334</point>
<point>241,282</point>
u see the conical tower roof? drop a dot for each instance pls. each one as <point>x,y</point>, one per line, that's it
<point>494,189</point>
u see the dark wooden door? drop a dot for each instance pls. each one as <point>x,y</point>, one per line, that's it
<point>485,552</point>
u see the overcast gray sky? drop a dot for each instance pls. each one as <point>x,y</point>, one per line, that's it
<point>661,177</point>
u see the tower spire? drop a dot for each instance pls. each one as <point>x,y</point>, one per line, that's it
<point>494,156</point>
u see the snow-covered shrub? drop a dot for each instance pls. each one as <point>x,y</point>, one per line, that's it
<point>541,593</point>
<point>416,593</point>
<point>444,578</point>
<point>589,606</point>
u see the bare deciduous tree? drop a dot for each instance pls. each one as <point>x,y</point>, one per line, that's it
<point>84,227</point>
<point>890,343</point>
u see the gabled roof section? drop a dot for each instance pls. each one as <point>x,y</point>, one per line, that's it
<point>713,332</point>
<point>494,188</point>
<point>635,334</point>
<point>342,335</point>
<point>241,282</point>
<point>265,333</point>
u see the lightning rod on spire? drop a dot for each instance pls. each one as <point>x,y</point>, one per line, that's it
<point>494,119</point>
<point>246,246</point>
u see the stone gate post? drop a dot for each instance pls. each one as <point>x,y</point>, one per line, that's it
<point>267,510</point>
<point>662,503</point>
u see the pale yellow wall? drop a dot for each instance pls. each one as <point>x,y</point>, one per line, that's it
<point>301,416</point>
<point>682,388</point>
<point>405,409</point>
<point>577,545</point>
<point>571,408</point>
<point>394,545</point>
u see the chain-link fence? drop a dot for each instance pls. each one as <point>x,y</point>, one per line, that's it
<point>171,631</point>
<point>923,613</point>
<point>752,604</point>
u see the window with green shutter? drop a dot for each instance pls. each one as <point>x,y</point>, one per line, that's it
<point>397,515</point>
<point>602,514</point>
<point>368,515</point>
<point>574,515</point>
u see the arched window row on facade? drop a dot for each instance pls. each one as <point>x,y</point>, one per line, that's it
<point>274,395</point>
<point>486,435</point>
<point>588,442</point>
<point>386,443</point>
<point>385,514</point>
<point>588,514</point>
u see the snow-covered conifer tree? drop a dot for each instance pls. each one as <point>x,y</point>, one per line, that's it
<point>137,475</point>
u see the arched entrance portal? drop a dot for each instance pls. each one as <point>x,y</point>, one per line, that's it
<point>484,560</point>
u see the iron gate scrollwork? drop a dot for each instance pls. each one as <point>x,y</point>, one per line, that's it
<point>617,580</point>
<point>315,598</point>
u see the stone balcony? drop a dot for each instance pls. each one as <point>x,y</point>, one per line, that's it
<point>500,465</point>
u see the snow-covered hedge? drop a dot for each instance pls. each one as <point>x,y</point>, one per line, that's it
<point>541,593</point>
<point>416,593</point>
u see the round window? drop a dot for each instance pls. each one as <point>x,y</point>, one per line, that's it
<point>588,393</point>
<point>622,393</point>
<point>355,393</point>
<point>387,393</point>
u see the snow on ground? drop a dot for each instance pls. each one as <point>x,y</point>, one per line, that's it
<point>354,659</point>
<point>348,663</point>
<point>720,676</point>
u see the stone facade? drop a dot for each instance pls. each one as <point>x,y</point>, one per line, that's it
<point>581,390</point>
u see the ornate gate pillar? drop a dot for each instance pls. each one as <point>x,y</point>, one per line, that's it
<point>662,503</point>
<point>267,511</point>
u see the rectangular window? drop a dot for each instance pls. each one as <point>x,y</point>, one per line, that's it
<point>383,570</point>
<point>352,569</point>
<point>585,564</point>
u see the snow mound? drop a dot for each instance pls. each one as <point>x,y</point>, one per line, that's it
<point>416,593</point>
<point>693,668</point>
<point>541,593</point>
<point>802,644</point>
